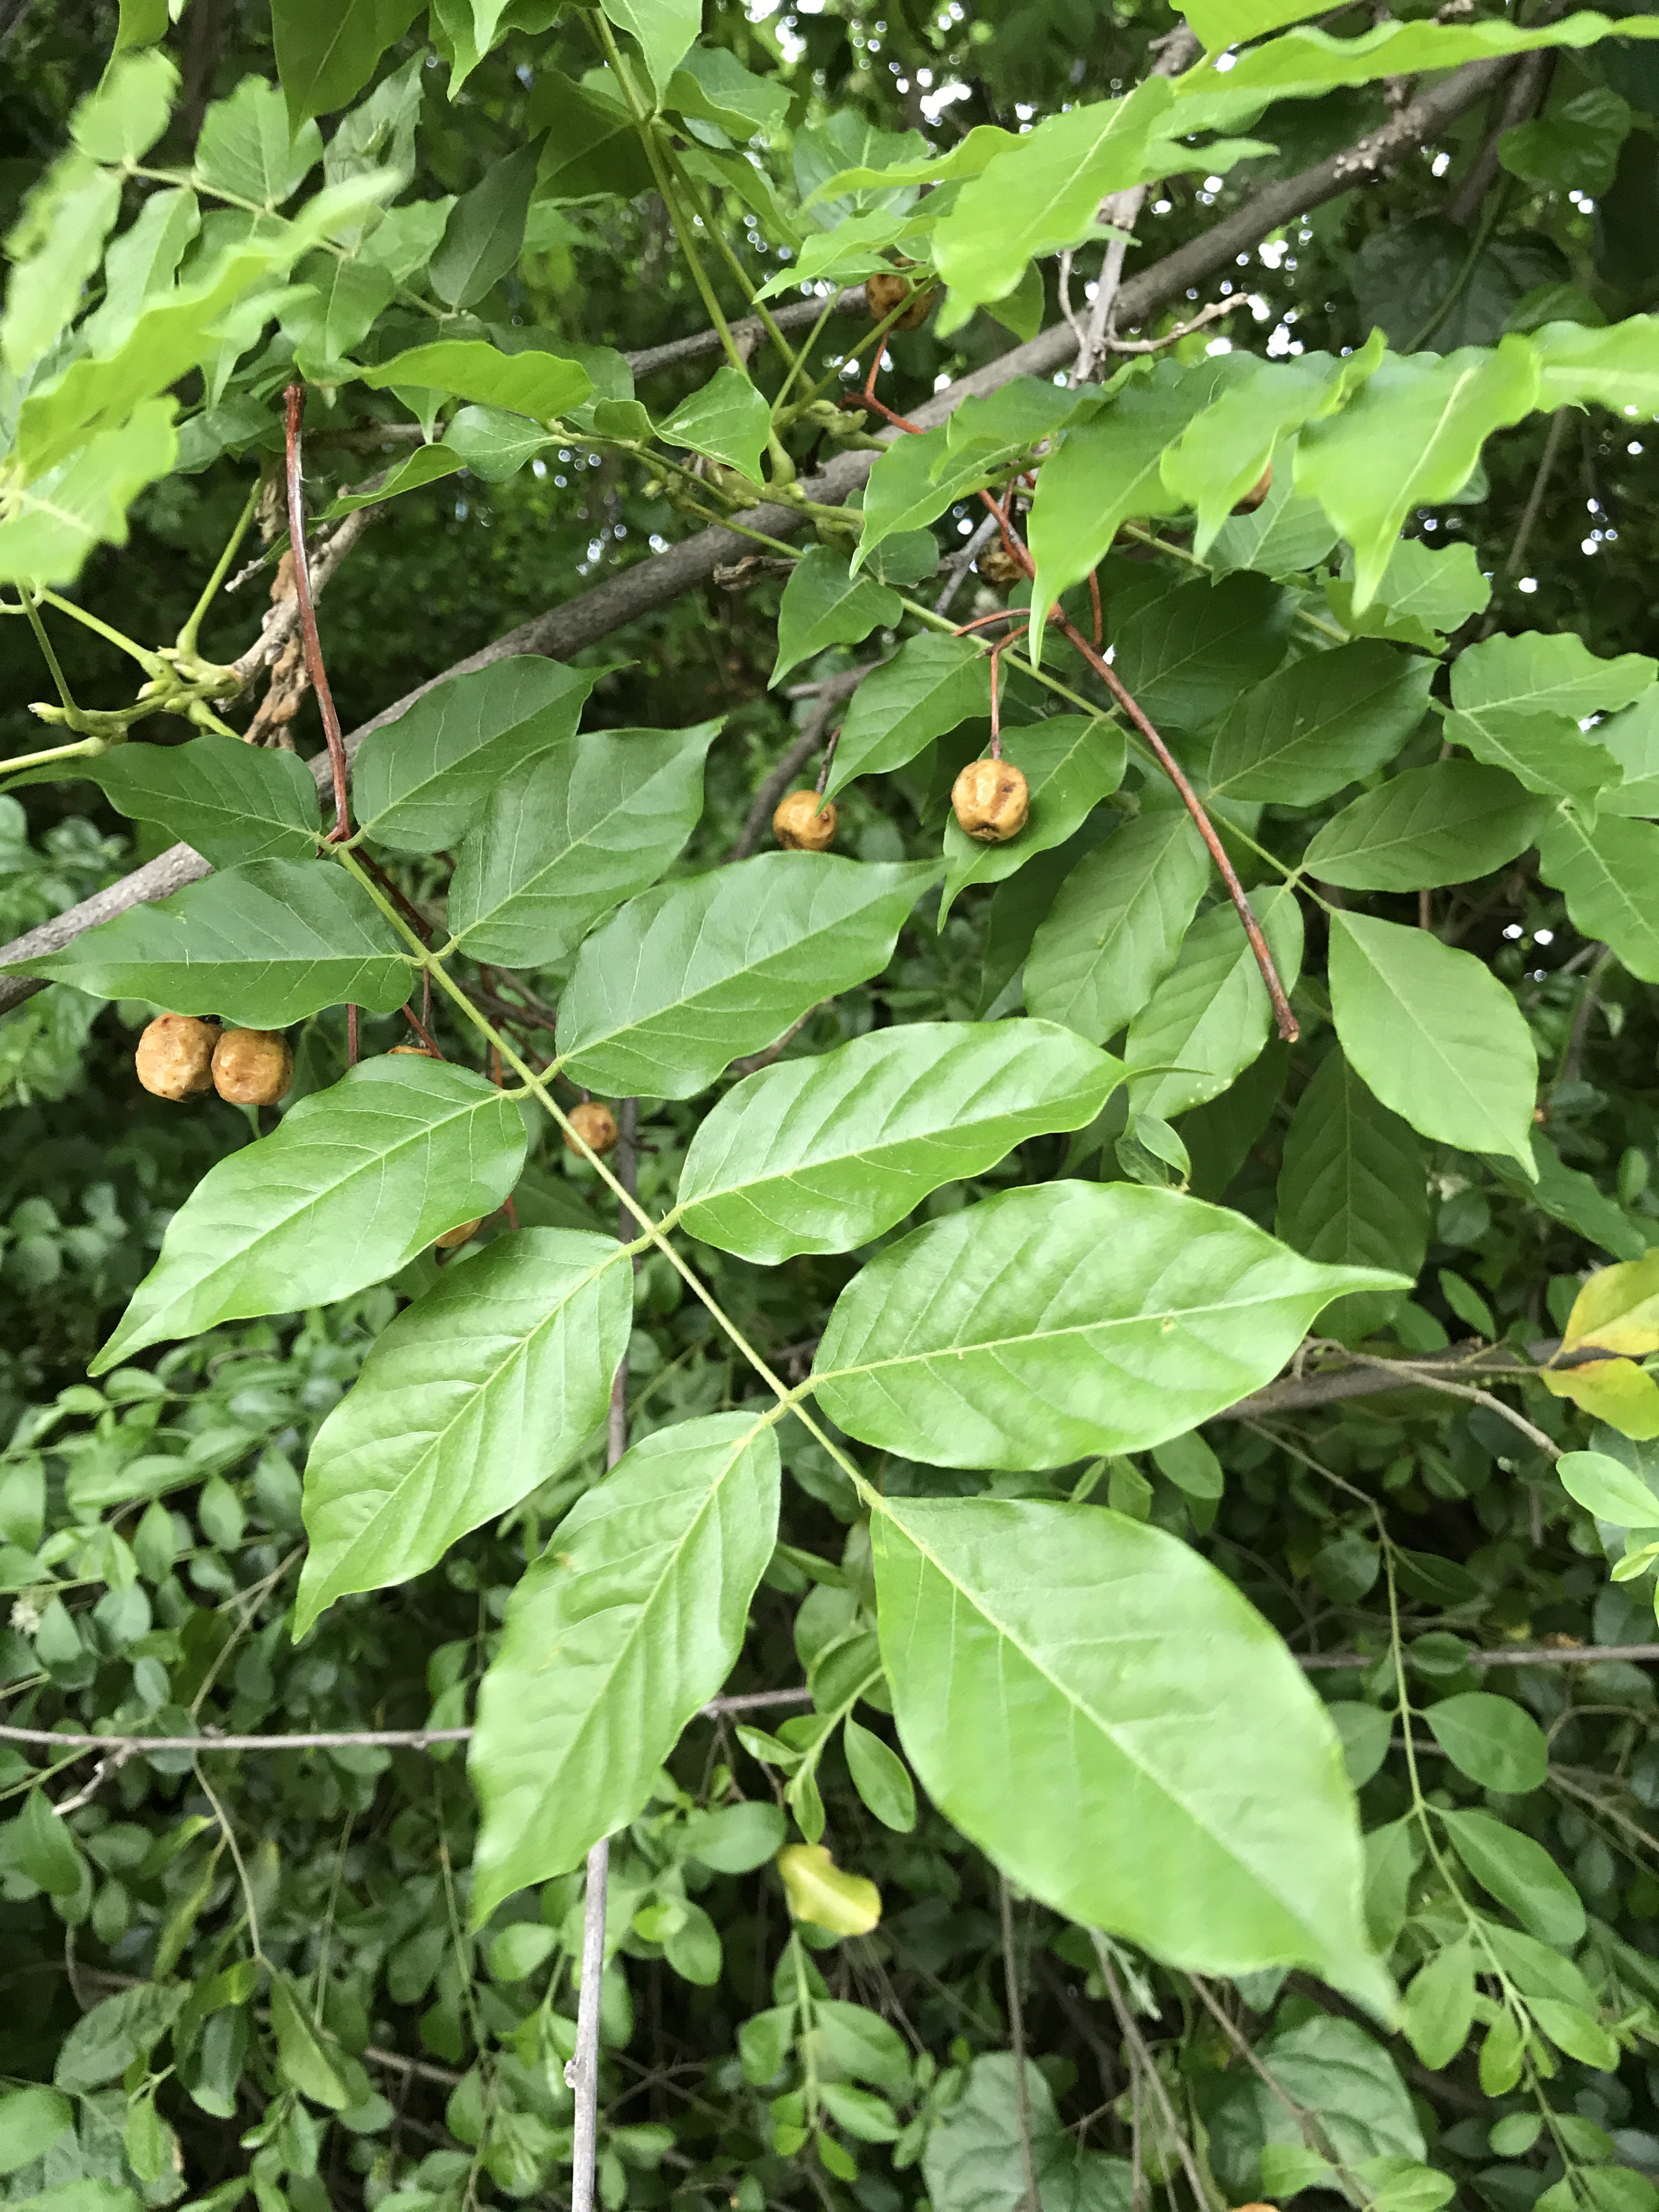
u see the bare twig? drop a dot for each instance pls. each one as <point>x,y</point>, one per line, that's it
<point>1530,513</point>
<point>1137,2043</point>
<point>963,559</point>
<point>293,400</point>
<point>1017,2044</point>
<point>754,1061</point>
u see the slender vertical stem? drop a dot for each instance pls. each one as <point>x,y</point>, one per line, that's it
<point>1137,2043</point>
<point>295,400</point>
<point>188,635</point>
<point>1016,2041</point>
<point>582,2074</point>
<point>1557,430</point>
<point>71,711</point>
<point>351,1037</point>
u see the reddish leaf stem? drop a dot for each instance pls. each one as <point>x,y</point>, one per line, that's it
<point>295,400</point>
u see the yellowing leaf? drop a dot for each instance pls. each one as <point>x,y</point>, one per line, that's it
<point>1616,1391</point>
<point>1617,1309</point>
<point>822,1896</point>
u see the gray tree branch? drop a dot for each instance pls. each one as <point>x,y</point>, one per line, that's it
<point>563,630</point>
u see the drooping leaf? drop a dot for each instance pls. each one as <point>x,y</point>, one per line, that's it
<point>1617,1309</point>
<point>728,420</point>
<point>1048,1324</point>
<point>486,1386</point>
<point>1187,654</point>
<point>1332,719</point>
<point>570,835</point>
<point>1426,591</point>
<point>248,150</point>
<point>1440,2004</point>
<point>1542,750</point>
<point>626,1625</point>
<point>303,2059</point>
<point>823,605</point>
<point>49,527</point>
<point>355,1182</point>
<point>539,385</point>
<point>930,686</point>
<point>1116,1775</point>
<point>1493,1741</point>
<point>1608,876</point>
<point>420,783</point>
<point>232,802</point>
<point>425,466</point>
<point>264,943</point>
<point>1409,437</point>
<point>54,248</point>
<point>686,977</point>
<point>1209,1017</point>
<point>104,2042</point>
<point>1547,671</point>
<point>1069,762</point>
<point>822,1155</point>
<point>326,56</point>
<point>1434,1035</point>
<point>1520,1874</point>
<point>1617,366</point>
<point>1450,822</point>
<point>1116,925</point>
<point>664,30</point>
<point>481,244</point>
<point>1353,1189</point>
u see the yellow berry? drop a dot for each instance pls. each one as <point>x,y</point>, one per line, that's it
<point>174,1058</point>
<point>992,800</point>
<point>804,822</point>
<point>252,1067</point>
<point>596,1124</point>
<point>458,1235</point>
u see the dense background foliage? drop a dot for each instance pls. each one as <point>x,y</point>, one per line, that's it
<point>340,2032</point>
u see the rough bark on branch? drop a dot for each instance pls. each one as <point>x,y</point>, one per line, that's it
<point>654,583</point>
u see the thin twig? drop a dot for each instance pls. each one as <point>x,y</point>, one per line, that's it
<point>1137,2043</point>
<point>293,400</point>
<point>1017,2044</point>
<point>581,2072</point>
<point>1530,513</point>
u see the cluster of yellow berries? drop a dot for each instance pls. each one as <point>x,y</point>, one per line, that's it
<point>180,1057</point>
<point>991,798</point>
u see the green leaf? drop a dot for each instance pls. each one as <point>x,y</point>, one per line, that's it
<point>1222,452</point>
<point>1070,763</point>
<point>345,300</point>
<point>425,466</point>
<point>1552,672</point>
<point>1633,738</point>
<point>43,1849</point>
<point>728,420</point>
<point>1493,1740</point>
<point>1187,654</point>
<point>1434,1036</point>
<point>1520,1874</point>
<point>55,247</point>
<point>629,1622</point>
<point>570,833</point>
<point>420,783</point>
<point>493,444</point>
<point>913,482</point>
<point>1606,1489</point>
<point>822,1155</point>
<point>49,527</point>
<point>1365,1734</point>
<point>974,2158</point>
<point>1425,592</point>
<point>326,56</point>
<point>686,978</point>
<point>120,121</point>
<point>1209,1017</point>
<point>1617,366</point>
<point>823,605</point>
<point>1117,1778</point>
<point>1285,534</point>
<point>1042,193</point>
<point>1109,469</point>
<point>1542,750</point>
<point>1607,876</point>
<point>1440,2005</point>
<point>231,801</point>
<point>539,385</point>
<point>1574,147</point>
<point>489,1384</point>
<point>1332,719</point>
<point>711,85</point>
<point>929,687</point>
<point>481,244</point>
<point>880,1778</point>
<point>1352,1189</point>
<point>1330,2069</point>
<point>31,2121</point>
<point>1053,1323</point>
<point>1450,822</point>
<point>663,29</point>
<point>104,2042</point>
<point>1409,437</point>
<point>302,2062</point>
<point>247,151</point>
<point>1116,926</point>
<point>735,1838</point>
<point>265,944</point>
<point>355,1182</point>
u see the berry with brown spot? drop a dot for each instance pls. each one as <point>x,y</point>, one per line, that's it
<point>595,1124</point>
<point>252,1067</point>
<point>884,291</point>
<point>992,799</point>
<point>458,1235</point>
<point>804,822</point>
<point>419,1051</point>
<point>1256,494</point>
<point>999,567</point>
<point>174,1058</point>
